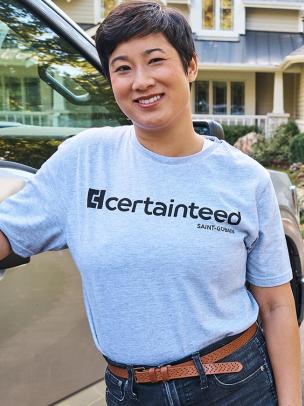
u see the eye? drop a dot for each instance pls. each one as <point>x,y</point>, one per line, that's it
<point>155,60</point>
<point>122,68</point>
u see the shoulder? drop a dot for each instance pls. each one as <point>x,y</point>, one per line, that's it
<point>103,137</point>
<point>235,159</point>
<point>244,171</point>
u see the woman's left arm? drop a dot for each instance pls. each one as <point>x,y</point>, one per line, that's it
<point>278,315</point>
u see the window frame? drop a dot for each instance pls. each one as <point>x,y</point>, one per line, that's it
<point>211,96</point>
<point>217,30</point>
<point>105,9</point>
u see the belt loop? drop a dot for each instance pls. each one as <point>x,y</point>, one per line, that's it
<point>130,382</point>
<point>198,364</point>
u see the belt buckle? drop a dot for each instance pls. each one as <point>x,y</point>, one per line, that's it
<point>157,374</point>
<point>138,369</point>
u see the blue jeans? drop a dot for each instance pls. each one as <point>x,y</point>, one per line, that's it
<point>253,386</point>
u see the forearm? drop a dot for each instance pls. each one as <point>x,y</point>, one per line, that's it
<point>283,343</point>
<point>5,248</point>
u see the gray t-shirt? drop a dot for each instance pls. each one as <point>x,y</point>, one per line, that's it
<point>164,245</point>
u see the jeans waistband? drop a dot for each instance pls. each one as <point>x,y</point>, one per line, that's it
<point>201,352</point>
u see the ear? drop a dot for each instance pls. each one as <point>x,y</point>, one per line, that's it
<point>192,68</point>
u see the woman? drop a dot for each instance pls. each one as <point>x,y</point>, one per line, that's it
<point>165,227</point>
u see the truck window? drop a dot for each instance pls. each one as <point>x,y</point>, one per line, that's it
<point>48,90</point>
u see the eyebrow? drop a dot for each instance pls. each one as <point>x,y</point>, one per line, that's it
<point>125,58</point>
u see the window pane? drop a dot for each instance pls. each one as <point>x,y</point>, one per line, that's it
<point>202,97</point>
<point>219,97</point>
<point>13,93</point>
<point>209,15</point>
<point>226,15</point>
<point>108,6</point>
<point>32,94</point>
<point>237,98</point>
<point>48,84</point>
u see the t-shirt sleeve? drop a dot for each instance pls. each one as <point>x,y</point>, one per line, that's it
<point>33,219</point>
<point>268,260</point>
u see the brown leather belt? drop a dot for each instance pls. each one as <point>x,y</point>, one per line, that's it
<point>187,369</point>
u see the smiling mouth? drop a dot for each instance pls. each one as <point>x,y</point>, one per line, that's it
<point>150,100</point>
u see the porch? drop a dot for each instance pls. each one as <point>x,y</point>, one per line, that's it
<point>258,79</point>
<point>262,99</point>
<point>259,121</point>
<point>45,118</point>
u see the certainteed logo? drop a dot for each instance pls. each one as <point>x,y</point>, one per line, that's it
<point>97,199</point>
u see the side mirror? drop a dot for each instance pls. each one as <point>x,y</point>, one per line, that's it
<point>55,79</point>
<point>209,127</point>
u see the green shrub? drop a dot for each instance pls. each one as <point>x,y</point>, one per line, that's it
<point>276,150</point>
<point>233,132</point>
<point>301,217</point>
<point>297,148</point>
<point>28,151</point>
<point>289,128</point>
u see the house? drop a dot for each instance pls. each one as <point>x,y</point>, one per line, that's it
<point>251,57</point>
<point>250,52</point>
<point>87,13</point>
<point>251,60</point>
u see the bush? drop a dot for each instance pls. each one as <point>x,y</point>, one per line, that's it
<point>276,150</point>
<point>233,132</point>
<point>301,217</point>
<point>297,148</point>
<point>28,151</point>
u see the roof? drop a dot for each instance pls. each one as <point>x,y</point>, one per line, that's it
<point>256,48</point>
<point>298,51</point>
<point>294,4</point>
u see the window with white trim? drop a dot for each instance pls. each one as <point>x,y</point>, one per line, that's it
<point>218,15</point>
<point>237,98</point>
<point>219,97</point>
<point>20,93</point>
<point>107,6</point>
<point>219,92</point>
<point>202,97</point>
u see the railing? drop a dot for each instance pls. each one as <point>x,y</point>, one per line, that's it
<point>62,118</point>
<point>30,118</point>
<point>254,120</point>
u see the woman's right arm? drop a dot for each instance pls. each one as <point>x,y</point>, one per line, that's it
<point>8,188</point>
<point>5,247</point>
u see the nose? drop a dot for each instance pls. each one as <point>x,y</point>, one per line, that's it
<point>142,80</point>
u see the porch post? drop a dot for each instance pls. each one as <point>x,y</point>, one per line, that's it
<point>278,94</point>
<point>278,116</point>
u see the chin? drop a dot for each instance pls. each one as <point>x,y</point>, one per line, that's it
<point>150,127</point>
<point>154,125</point>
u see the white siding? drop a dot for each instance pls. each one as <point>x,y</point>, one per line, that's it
<point>264,93</point>
<point>81,11</point>
<point>291,87</point>
<point>182,8</point>
<point>300,109</point>
<point>263,19</point>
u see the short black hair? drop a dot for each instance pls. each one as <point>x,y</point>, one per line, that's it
<point>139,19</point>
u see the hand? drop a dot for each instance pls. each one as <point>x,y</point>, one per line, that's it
<point>10,186</point>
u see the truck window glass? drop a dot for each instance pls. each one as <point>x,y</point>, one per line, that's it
<point>49,91</point>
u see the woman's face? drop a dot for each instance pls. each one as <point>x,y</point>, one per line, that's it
<point>149,82</point>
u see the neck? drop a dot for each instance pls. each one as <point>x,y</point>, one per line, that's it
<point>173,141</point>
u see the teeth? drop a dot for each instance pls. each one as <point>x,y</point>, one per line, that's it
<point>148,101</point>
